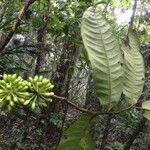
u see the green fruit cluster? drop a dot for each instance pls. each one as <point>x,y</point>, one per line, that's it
<point>40,90</point>
<point>12,91</point>
<point>35,92</point>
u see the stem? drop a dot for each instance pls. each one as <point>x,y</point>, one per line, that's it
<point>63,123</point>
<point>41,40</point>
<point>106,132</point>
<point>136,132</point>
<point>133,14</point>
<point>74,105</point>
<point>63,99</point>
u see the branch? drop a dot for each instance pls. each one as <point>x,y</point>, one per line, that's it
<point>133,14</point>
<point>16,24</point>
<point>41,40</point>
<point>63,99</point>
<point>74,105</point>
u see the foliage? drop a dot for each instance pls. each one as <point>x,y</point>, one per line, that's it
<point>146,107</point>
<point>77,136</point>
<point>133,70</point>
<point>48,37</point>
<point>105,56</point>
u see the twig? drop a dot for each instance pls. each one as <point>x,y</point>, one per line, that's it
<point>74,105</point>
<point>133,14</point>
<point>41,40</point>
<point>16,24</point>
<point>63,99</point>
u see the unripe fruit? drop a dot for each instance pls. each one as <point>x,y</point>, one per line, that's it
<point>40,78</point>
<point>15,98</point>
<point>27,102</point>
<point>11,103</point>
<point>5,77</point>
<point>48,94</point>
<point>51,87</point>
<point>9,98</point>
<point>22,100</point>
<point>33,105</point>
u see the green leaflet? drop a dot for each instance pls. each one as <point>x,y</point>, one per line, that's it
<point>77,136</point>
<point>146,107</point>
<point>133,70</point>
<point>105,56</point>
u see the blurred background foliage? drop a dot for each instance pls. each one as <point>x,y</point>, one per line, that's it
<point>64,61</point>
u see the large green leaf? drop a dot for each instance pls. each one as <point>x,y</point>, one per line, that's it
<point>133,70</point>
<point>77,136</point>
<point>146,107</point>
<point>105,56</point>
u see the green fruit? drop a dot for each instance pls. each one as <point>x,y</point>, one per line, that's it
<point>30,79</point>
<point>15,98</point>
<point>14,76</point>
<point>11,103</point>
<point>1,99</point>
<point>42,104</point>
<point>17,81</point>
<point>25,87</point>
<point>9,77</point>
<point>45,81</point>
<point>24,94</point>
<point>49,99</point>
<point>9,98</point>
<point>22,100</point>
<point>48,94</point>
<point>51,87</point>
<point>40,78</point>
<point>9,107</point>
<point>35,79</point>
<point>8,86</point>
<point>33,105</point>
<point>5,77</point>
<point>27,102</point>
<point>1,91</point>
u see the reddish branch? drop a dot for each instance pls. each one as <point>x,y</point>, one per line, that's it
<point>63,99</point>
<point>16,24</point>
<point>74,105</point>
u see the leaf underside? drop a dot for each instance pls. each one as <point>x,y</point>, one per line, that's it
<point>133,70</point>
<point>146,105</point>
<point>105,56</point>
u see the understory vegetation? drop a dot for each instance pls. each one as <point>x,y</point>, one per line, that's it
<point>74,75</point>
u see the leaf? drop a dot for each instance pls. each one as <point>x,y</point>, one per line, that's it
<point>146,114</point>
<point>77,136</point>
<point>133,70</point>
<point>146,105</point>
<point>105,56</point>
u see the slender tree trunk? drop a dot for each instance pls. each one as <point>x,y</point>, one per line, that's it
<point>41,41</point>
<point>61,81</point>
<point>136,132</point>
<point>106,132</point>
